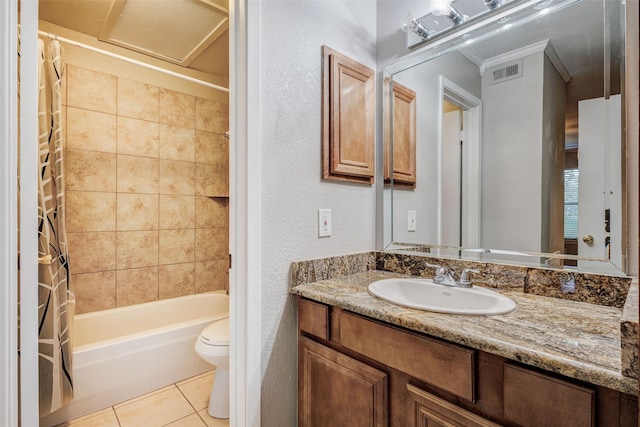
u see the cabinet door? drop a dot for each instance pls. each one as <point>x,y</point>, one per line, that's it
<point>403,143</point>
<point>533,399</point>
<point>338,391</point>
<point>426,410</point>
<point>348,115</point>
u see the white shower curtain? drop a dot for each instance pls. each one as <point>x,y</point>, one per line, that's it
<point>55,298</point>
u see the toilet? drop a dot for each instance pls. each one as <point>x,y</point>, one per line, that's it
<point>213,346</point>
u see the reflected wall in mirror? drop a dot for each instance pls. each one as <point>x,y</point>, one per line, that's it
<point>518,143</point>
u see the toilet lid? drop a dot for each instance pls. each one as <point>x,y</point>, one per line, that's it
<point>216,333</point>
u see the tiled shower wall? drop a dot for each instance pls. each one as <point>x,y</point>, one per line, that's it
<point>147,186</point>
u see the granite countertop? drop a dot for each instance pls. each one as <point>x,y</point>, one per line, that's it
<point>575,339</point>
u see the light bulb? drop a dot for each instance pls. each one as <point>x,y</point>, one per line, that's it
<point>444,8</point>
<point>440,7</point>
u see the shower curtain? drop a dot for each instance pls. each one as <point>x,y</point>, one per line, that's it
<point>55,298</point>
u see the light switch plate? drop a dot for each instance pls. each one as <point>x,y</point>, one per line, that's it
<point>411,221</point>
<point>324,222</point>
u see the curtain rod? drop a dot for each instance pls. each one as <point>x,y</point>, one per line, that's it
<point>131,61</point>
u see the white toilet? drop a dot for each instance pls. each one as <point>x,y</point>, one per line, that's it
<point>213,346</point>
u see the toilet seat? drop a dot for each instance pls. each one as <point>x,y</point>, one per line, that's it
<point>216,334</point>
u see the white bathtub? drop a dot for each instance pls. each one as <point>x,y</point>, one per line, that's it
<point>125,352</point>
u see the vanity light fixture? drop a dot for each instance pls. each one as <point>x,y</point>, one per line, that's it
<point>492,4</point>
<point>446,15</point>
<point>419,28</point>
<point>444,8</point>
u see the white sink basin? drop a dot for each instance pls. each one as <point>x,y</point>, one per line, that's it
<point>423,294</point>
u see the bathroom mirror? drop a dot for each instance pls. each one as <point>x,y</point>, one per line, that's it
<point>518,141</point>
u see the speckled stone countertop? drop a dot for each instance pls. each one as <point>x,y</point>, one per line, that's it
<point>575,339</point>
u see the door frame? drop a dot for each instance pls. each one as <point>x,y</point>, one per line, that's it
<point>8,215</point>
<point>244,227</point>
<point>244,214</point>
<point>471,160</point>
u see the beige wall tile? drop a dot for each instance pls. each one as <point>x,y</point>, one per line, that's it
<point>212,180</point>
<point>137,249</point>
<point>91,90</point>
<point>176,246</point>
<point>138,137</point>
<point>136,286</point>
<point>211,116</point>
<point>177,177</point>
<point>177,212</point>
<point>156,410</point>
<point>90,211</point>
<point>91,130</point>
<point>211,148</point>
<point>94,291</point>
<point>176,280</point>
<point>92,251</point>
<point>90,171</point>
<point>177,109</point>
<point>138,100</point>
<point>138,174</point>
<point>212,275</point>
<point>211,213</point>
<point>177,143</point>
<point>211,244</point>
<point>137,212</point>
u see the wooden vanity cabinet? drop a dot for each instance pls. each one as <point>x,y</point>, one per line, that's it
<point>355,371</point>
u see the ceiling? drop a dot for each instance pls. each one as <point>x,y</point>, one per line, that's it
<point>191,33</point>
<point>581,52</point>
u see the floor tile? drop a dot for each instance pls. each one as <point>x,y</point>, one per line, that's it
<point>198,390</point>
<point>158,409</point>
<point>144,396</point>
<point>211,421</point>
<point>192,420</point>
<point>102,418</point>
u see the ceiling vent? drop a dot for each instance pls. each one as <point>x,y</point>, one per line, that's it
<point>504,72</point>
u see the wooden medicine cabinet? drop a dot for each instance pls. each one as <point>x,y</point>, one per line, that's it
<point>403,142</point>
<point>348,119</point>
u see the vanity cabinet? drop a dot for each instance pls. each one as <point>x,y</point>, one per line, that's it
<point>353,370</point>
<point>337,390</point>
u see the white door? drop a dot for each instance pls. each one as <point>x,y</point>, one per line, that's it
<point>451,179</point>
<point>599,180</point>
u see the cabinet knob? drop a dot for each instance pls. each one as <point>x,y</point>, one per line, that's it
<point>588,239</point>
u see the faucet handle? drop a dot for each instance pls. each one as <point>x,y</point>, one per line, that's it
<point>464,279</point>
<point>440,272</point>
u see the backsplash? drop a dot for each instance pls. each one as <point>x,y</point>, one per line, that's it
<point>585,287</point>
<point>140,163</point>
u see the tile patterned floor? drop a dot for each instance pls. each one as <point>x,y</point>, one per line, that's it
<point>183,404</point>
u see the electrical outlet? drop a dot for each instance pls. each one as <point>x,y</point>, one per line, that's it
<point>324,222</point>
<point>411,221</point>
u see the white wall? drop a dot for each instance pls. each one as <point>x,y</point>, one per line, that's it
<point>553,149</point>
<point>521,209</point>
<point>511,211</point>
<point>292,33</point>
<point>424,80</point>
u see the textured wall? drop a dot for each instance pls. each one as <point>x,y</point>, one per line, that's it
<point>292,33</point>
<point>141,161</point>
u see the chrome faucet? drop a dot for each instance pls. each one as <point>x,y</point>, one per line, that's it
<point>445,276</point>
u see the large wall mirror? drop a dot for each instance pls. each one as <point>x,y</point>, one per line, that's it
<point>519,151</point>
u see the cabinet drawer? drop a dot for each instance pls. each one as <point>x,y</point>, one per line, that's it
<point>447,366</point>
<point>535,399</point>
<point>313,318</point>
